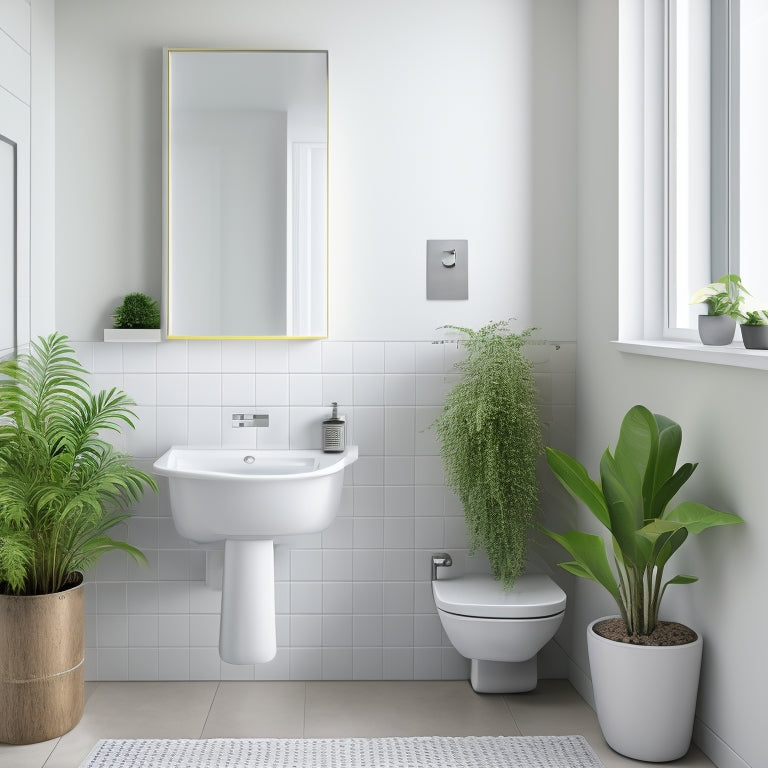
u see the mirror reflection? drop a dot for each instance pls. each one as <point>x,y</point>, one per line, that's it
<point>246,193</point>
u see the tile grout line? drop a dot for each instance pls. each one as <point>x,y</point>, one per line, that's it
<point>210,709</point>
<point>512,715</point>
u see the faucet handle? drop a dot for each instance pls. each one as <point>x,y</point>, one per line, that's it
<point>440,560</point>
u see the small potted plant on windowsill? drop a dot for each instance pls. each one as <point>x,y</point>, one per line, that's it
<point>754,329</point>
<point>136,319</point>
<point>723,299</point>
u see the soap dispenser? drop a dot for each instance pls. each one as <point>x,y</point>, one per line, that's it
<point>334,428</point>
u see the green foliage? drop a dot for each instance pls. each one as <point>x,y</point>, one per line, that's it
<point>490,439</point>
<point>723,297</point>
<point>62,487</point>
<point>637,483</point>
<point>754,317</point>
<point>137,311</point>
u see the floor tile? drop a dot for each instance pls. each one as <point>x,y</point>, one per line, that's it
<point>257,710</point>
<point>404,708</point>
<point>319,709</point>
<point>555,709</point>
<point>27,755</point>
<point>145,710</point>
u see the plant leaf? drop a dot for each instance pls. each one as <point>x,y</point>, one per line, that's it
<point>591,561</point>
<point>575,479</point>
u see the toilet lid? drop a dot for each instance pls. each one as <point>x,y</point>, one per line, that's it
<point>533,596</point>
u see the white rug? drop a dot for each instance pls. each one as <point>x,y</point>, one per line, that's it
<point>420,752</point>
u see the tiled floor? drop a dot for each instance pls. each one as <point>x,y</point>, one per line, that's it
<point>316,710</point>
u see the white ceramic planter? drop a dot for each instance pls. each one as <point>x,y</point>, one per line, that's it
<point>645,696</point>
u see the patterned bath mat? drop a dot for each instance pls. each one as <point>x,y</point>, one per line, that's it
<point>419,752</point>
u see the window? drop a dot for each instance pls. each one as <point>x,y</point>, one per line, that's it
<point>716,56</point>
<point>753,147</point>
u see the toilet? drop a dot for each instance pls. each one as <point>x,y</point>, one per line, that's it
<point>500,630</point>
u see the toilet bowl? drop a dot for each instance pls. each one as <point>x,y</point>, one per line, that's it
<point>500,630</point>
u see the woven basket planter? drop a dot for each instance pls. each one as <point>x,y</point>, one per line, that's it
<point>42,648</point>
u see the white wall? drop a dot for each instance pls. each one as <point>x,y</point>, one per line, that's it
<point>724,426</point>
<point>354,602</point>
<point>15,100</point>
<point>447,120</point>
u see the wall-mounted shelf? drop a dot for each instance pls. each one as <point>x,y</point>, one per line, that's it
<point>133,334</point>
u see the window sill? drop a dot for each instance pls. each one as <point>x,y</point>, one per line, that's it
<point>733,354</point>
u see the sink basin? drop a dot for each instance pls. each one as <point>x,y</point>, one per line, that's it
<point>247,498</point>
<point>235,493</point>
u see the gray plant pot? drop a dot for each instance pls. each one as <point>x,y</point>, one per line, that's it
<point>755,336</point>
<point>716,330</point>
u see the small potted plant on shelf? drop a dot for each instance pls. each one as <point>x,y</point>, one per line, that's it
<point>645,672</point>
<point>62,489</point>
<point>723,299</point>
<point>136,319</point>
<point>490,441</point>
<point>754,329</point>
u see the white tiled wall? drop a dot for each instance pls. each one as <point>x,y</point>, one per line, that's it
<point>353,602</point>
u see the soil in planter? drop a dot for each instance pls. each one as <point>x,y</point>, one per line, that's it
<point>665,633</point>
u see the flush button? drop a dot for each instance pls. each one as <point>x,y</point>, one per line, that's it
<point>447,269</point>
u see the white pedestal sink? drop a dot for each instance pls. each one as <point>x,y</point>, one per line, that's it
<point>246,498</point>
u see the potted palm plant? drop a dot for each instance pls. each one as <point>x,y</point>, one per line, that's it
<point>490,440</point>
<point>62,488</point>
<point>645,671</point>
<point>723,299</point>
<point>754,329</point>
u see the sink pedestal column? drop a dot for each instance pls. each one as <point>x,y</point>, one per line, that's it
<point>247,633</point>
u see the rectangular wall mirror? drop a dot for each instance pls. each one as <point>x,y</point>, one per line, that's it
<point>245,193</point>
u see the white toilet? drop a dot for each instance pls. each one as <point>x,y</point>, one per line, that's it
<point>500,630</point>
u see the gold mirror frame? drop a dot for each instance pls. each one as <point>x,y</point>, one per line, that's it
<point>169,326</point>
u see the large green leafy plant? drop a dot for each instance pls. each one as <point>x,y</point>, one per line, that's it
<point>637,483</point>
<point>490,440</point>
<point>62,486</point>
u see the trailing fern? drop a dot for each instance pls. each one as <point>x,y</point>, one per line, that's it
<point>62,487</point>
<point>490,440</point>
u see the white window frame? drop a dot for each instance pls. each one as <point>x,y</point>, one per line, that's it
<point>643,227</point>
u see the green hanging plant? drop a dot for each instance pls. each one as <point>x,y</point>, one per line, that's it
<point>490,441</point>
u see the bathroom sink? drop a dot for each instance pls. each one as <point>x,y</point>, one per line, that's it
<point>247,498</point>
<point>235,493</point>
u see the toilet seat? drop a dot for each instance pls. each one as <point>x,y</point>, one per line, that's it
<point>533,596</point>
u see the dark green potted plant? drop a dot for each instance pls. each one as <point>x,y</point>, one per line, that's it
<point>136,319</point>
<point>62,489</point>
<point>754,329</point>
<point>490,440</point>
<point>723,299</point>
<point>644,672</point>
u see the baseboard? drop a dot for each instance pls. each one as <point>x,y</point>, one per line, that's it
<point>715,748</point>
